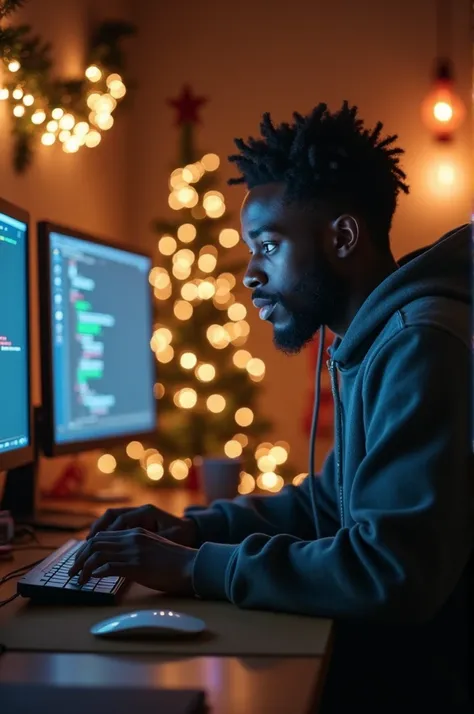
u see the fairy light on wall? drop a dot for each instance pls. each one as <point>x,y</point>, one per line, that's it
<point>88,103</point>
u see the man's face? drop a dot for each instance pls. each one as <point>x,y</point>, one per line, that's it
<point>293,281</point>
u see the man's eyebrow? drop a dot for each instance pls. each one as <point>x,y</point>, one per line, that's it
<point>256,232</point>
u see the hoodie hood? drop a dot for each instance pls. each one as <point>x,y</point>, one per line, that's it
<point>441,269</point>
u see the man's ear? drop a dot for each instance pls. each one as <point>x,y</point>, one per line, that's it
<point>346,231</point>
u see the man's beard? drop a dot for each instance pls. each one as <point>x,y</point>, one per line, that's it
<point>314,302</point>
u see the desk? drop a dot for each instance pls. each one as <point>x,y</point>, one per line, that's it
<point>233,686</point>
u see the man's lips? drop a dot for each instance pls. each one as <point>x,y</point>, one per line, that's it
<point>266,307</point>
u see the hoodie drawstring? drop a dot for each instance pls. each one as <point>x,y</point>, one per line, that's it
<point>314,427</point>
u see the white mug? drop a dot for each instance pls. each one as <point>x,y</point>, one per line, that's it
<point>218,477</point>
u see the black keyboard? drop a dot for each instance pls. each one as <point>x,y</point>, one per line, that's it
<point>50,582</point>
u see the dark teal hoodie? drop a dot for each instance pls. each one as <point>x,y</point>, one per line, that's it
<point>387,556</point>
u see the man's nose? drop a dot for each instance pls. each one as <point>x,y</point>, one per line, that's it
<point>254,277</point>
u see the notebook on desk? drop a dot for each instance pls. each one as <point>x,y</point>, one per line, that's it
<point>18,698</point>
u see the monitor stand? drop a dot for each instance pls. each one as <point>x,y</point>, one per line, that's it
<point>19,497</point>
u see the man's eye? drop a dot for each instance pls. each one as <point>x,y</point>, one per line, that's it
<point>269,247</point>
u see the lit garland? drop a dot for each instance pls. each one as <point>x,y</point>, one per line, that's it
<point>72,113</point>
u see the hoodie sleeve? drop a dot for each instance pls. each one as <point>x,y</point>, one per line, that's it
<point>411,503</point>
<point>231,521</point>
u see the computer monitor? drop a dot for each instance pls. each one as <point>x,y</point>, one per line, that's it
<point>98,371</point>
<point>16,447</point>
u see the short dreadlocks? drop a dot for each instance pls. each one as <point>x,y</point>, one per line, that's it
<point>328,158</point>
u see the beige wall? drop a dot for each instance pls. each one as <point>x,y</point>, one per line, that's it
<point>253,56</point>
<point>247,57</point>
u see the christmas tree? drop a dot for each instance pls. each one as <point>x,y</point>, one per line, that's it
<point>207,380</point>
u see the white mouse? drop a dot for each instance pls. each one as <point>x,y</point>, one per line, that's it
<point>149,623</point>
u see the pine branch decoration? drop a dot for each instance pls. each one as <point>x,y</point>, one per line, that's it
<point>7,7</point>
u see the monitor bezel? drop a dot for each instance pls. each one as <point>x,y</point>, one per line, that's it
<point>50,446</point>
<point>20,457</point>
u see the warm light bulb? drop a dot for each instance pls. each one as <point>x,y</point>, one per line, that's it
<point>267,480</point>
<point>93,99</point>
<point>64,135</point>
<point>233,449</point>
<point>93,139</point>
<point>227,281</point>
<point>81,128</point>
<point>189,291</point>
<point>266,463</point>
<point>38,117</point>
<point>159,391</point>
<point>114,77</point>
<point>255,367</point>
<point>188,360</point>
<point>4,93</point>
<point>134,450</point>
<point>229,237</point>
<point>166,355</point>
<point>278,454</point>
<point>179,469</point>
<point>161,279</point>
<point>237,311</point>
<point>206,289</point>
<point>52,126</point>
<point>247,483</point>
<point>104,121</point>
<point>48,139</point>
<point>187,398</point>
<point>216,403</point>
<point>167,245</point>
<point>244,416</point>
<point>210,162</point>
<point>28,100</point>
<point>183,310</point>
<point>19,110</point>
<point>107,464</point>
<point>67,122</point>
<point>181,270</point>
<point>443,111</point>
<point>14,66</point>
<point>186,233</point>
<point>71,145</point>
<point>17,93</point>
<point>263,449</point>
<point>242,439</point>
<point>93,73</point>
<point>207,263</point>
<point>163,294</point>
<point>187,196</point>
<point>217,336</point>
<point>105,104</point>
<point>57,113</point>
<point>206,372</point>
<point>155,471</point>
<point>184,256</point>
<point>241,358</point>
<point>117,89</point>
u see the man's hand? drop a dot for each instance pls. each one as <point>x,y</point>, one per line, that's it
<point>149,518</point>
<point>146,558</point>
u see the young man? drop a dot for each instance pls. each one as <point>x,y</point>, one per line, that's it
<point>380,542</point>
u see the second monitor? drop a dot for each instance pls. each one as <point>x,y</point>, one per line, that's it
<point>98,371</point>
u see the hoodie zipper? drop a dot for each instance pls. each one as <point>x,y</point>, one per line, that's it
<point>338,435</point>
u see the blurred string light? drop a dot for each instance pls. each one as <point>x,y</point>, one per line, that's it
<point>83,130</point>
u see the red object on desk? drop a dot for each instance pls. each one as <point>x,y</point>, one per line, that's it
<point>69,483</point>
<point>192,482</point>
